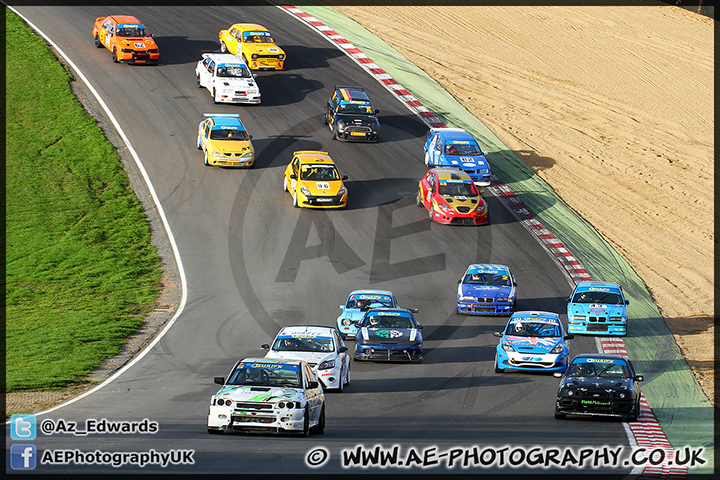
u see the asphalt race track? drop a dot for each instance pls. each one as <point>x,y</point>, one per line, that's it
<point>254,263</point>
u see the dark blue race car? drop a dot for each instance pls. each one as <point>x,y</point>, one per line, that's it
<point>486,290</point>
<point>389,334</point>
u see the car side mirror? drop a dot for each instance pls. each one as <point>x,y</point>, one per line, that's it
<point>342,307</point>
<point>219,380</point>
<point>639,378</point>
<point>377,111</point>
<point>265,346</point>
<point>569,336</point>
<point>514,284</point>
<point>413,310</point>
<point>497,334</point>
<point>342,349</point>
<point>557,374</point>
<point>313,384</point>
<point>344,177</point>
<point>254,75</point>
<point>250,137</point>
<point>420,327</point>
<point>459,281</point>
<point>293,176</point>
<point>627,302</point>
<point>482,191</point>
<point>567,300</point>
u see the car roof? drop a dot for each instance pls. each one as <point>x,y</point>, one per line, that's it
<point>389,311</point>
<point>530,314</point>
<point>306,329</point>
<point>248,26</point>
<point>609,356</point>
<point>350,95</point>
<point>223,58</point>
<point>126,19</point>
<point>456,134</point>
<point>586,285</point>
<point>313,156</point>
<point>220,122</point>
<point>452,174</point>
<point>371,292</point>
<point>475,267</point>
<point>283,361</point>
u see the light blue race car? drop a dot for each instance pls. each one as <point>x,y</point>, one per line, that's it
<point>359,302</point>
<point>456,148</point>
<point>486,289</point>
<point>597,308</point>
<point>532,341</point>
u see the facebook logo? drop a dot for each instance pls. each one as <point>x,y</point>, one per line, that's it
<point>23,427</point>
<point>22,456</point>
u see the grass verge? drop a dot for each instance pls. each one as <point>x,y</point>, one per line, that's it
<point>81,271</point>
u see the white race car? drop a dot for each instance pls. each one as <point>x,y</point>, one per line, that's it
<point>228,78</point>
<point>268,396</point>
<point>321,347</point>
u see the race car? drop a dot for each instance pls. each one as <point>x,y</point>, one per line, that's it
<point>262,395</point>
<point>600,385</point>
<point>254,44</point>
<point>532,341</point>
<point>389,334</point>
<point>486,290</point>
<point>451,197</point>
<point>127,39</point>
<point>350,115</point>
<point>314,182</point>
<point>227,78</point>
<point>597,308</point>
<point>225,141</point>
<point>359,302</point>
<point>322,349</point>
<point>456,148</point>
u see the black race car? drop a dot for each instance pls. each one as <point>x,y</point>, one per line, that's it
<point>601,385</point>
<point>389,334</point>
<point>350,115</point>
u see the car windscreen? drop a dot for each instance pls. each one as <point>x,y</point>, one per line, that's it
<point>597,297</point>
<point>364,301</point>
<point>354,109</point>
<point>457,189</point>
<point>132,32</point>
<point>319,172</point>
<point>250,38</point>
<point>304,344</point>
<point>487,278</point>
<point>388,321</point>
<point>462,149</point>
<point>266,374</point>
<point>228,134</point>
<point>533,329</point>
<point>606,370</point>
<point>233,71</point>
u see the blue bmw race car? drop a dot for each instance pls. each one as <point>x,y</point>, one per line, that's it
<point>359,302</point>
<point>486,290</point>
<point>389,334</point>
<point>597,308</point>
<point>532,341</point>
<point>456,148</point>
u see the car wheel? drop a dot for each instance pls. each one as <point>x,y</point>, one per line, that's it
<point>497,366</point>
<point>320,427</point>
<point>306,423</point>
<point>215,431</point>
<point>430,213</point>
<point>215,100</point>
<point>335,134</point>
<point>427,160</point>
<point>419,199</point>
<point>295,200</point>
<point>559,415</point>
<point>114,55</point>
<point>285,187</point>
<point>341,382</point>
<point>347,375</point>
<point>198,81</point>
<point>97,42</point>
<point>207,160</point>
<point>633,417</point>
<point>199,143</point>
<point>223,47</point>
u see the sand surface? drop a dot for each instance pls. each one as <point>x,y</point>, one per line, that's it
<point>613,107</point>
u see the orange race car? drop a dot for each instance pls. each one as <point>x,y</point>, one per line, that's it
<point>127,39</point>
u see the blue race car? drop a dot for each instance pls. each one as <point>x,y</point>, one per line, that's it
<point>359,302</point>
<point>486,290</point>
<point>456,148</point>
<point>389,334</point>
<point>532,341</point>
<point>597,308</point>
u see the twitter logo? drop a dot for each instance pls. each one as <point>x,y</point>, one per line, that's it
<point>23,427</point>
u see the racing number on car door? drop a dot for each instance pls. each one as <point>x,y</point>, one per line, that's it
<point>431,150</point>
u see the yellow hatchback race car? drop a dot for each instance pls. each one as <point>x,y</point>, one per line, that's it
<point>225,141</point>
<point>314,182</point>
<point>254,44</point>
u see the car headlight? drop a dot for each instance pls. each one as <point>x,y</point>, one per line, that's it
<point>569,393</point>
<point>254,56</point>
<point>558,348</point>
<point>346,322</point>
<point>248,155</point>
<point>577,318</point>
<point>281,56</point>
<point>507,347</point>
<point>480,208</point>
<point>341,125</point>
<point>622,395</point>
<point>305,191</point>
<point>466,299</point>
<point>217,154</point>
<point>445,208</point>
<point>341,191</point>
<point>325,364</point>
<point>617,319</point>
<point>223,402</point>
<point>289,405</point>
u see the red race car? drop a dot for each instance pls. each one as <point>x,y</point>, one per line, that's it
<point>451,198</point>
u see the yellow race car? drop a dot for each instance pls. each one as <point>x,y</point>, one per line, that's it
<point>254,44</point>
<point>225,141</point>
<point>314,182</point>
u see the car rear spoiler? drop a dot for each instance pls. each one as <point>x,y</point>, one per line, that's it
<point>234,115</point>
<point>446,129</point>
<point>351,87</point>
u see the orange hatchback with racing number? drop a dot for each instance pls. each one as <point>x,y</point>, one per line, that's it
<point>127,39</point>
